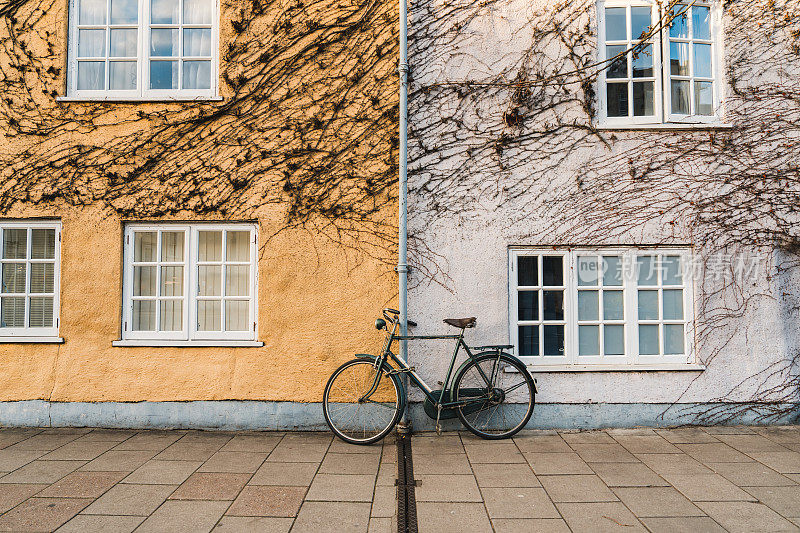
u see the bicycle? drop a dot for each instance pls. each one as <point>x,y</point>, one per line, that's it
<point>492,392</point>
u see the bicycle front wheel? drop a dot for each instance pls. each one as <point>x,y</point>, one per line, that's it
<point>355,414</point>
<point>499,395</point>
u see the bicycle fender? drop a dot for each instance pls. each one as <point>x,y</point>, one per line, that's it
<point>494,353</point>
<point>387,367</point>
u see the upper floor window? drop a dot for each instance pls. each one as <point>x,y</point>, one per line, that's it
<point>610,306</point>
<point>29,254</point>
<point>190,282</point>
<point>143,48</point>
<point>663,63</point>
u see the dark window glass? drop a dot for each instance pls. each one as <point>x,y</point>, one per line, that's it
<point>554,340</point>
<point>617,105</point>
<point>553,305</point>
<point>528,308</point>
<point>528,340</point>
<point>553,271</point>
<point>527,270</point>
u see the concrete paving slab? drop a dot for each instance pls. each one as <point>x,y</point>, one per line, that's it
<point>107,435</point>
<point>83,523</point>
<point>184,516</point>
<point>189,451</point>
<point>384,504</point>
<point>586,437</point>
<point>447,488</point>
<point>557,463</point>
<point>682,524</point>
<point>577,488</point>
<point>627,475</point>
<point>41,472</point>
<point>751,443</point>
<point>285,474</point>
<point>646,444</point>
<point>436,517</point>
<point>784,500</point>
<point>119,461</point>
<point>505,475</point>
<point>494,453</point>
<point>11,459</point>
<point>154,441</point>
<point>604,453</point>
<point>249,524</point>
<point>387,474</point>
<point>267,501</point>
<point>707,487</point>
<point>162,472</point>
<point>211,486</point>
<point>234,462</point>
<point>79,451</point>
<point>382,525</point>
<point>350,463</point>
<point>437,445</point>
<point>518,502</point>
<point>599,517</point>
<point>656,501</point>
<point>342,517</point>
<point>542,444</point>
<point>441,464</point>
<point>783,462</point>
<point>294,451</point>
<point>12,495</point>
<point>340,446</point>
<point>251,443</point>
<point>530,525</point>
<point>716,452</point>
<point>686,436</point>
<point>751,474</point>
<point>41,514</point>
<point>671,463</point>
<point>745,517</point>
<point>341,488</point>
<point>128,499</point>
<point>83,485</point>
<point>45,441</point>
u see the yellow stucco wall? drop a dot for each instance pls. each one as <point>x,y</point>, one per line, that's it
<point>317,297</point>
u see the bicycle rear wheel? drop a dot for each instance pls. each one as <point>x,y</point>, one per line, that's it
<point>499,402</point>
<point>353,417</point>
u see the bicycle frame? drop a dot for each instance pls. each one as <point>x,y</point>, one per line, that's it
<point>417,379</point>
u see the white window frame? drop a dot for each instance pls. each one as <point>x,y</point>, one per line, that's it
<point>142,91</point>
<point>631,360</point>
<point>189,333</point>
<point>663,95</point>
<point>29,334</point>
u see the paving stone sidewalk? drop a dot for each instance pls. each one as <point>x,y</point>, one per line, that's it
<point>691,479</point>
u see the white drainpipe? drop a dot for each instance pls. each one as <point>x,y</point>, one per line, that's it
<point>402,259</point>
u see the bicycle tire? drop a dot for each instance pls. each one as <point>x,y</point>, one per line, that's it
<point>462,392</point>
<point>361,381</point>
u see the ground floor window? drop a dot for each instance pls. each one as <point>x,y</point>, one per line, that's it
<point>601,306</point>
<point>29,254</point>
<point>190,282</point>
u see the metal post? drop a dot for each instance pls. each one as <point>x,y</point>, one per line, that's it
<point>402,259</point>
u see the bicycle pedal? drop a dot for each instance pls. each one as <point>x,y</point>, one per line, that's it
<point>438,429</point>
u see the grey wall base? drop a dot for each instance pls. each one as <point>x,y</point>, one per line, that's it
<point>255,415</point>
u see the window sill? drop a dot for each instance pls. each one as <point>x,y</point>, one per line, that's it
<point>138,99</point>
<point>694,367</point>
<point>671,126</point>
<point>31,340</point>
<point>128,343</point>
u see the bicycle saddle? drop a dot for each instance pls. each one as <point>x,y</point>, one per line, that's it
<point>461,322</point>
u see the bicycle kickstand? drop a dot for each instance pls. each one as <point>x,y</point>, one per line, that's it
<point>438,415</point>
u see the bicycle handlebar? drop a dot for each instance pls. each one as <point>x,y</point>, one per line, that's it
<point>389,311</point>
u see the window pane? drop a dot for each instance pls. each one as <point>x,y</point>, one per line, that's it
<point>91,43</point>
<point>144,315</point>
<point>237,280</point>
<point>703,98</point>
<point>702,60</point>
<point>612,270</point>
<point>528,305</point>
<point>14,277</point>
<point>617,105</point>
<point>673,339</point>
<point>648,305</point>
<point>123,43</point>
<point>701,22</point>
<point>124,11</point>
<point>209,315</point>
<point>92,12</point>
<point>43,243</point>
<point>172,246</point>
<point>588,340</point>
<point>553,305</point>
<point>679,28</point>
<point>172,281</point>
<point>553,340</point>
<point>171,315</point>
<point>640,22</point>
<point>144,246</point>
<point>209,280</point>
<point>643,63</point>
<point>237,247</point>
<point>164,43</point>
<point>671,270</point>
<point>528,340</point>
<point>616,27</point>
<point>164,11</point>
<point>163,74</point>
<point>144,281</point>
<point>91,75</point>
<point>552,270</point>
<point>236,318</point>
<point>673,304</point>
<point>587,271</point>
<point>122,75</point>
<point>41,312</point>
<point>614,340</point>
<point>197,11</point>
<point>528,270</point>
<point>612,305</point>
<point>588,305</point>
<point>648,340</point>
<point>15,244</point>
<point>680,97</point>
<point>646,270</point>
<point>12,312</point>
<point>679,59</point>
<point>42,275</point>
<point>210,245</point>
<point>644,99</point>
<point>619,67</point>
<point>197,74</point>
<point>196,42</point>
